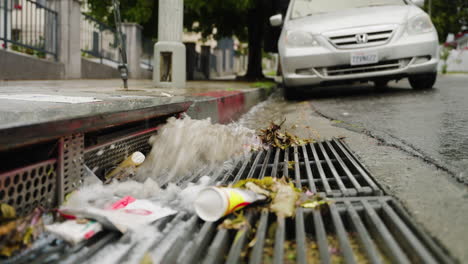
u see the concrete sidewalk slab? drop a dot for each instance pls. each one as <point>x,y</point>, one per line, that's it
<point>25,122</point>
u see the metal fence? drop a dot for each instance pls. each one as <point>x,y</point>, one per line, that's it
<point>99,41</point>
<point>29,27</point>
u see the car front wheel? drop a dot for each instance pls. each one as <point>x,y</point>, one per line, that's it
<point>423,81</point>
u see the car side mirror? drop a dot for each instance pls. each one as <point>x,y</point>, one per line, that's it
<point>276,20</point>
<point>419,3</point>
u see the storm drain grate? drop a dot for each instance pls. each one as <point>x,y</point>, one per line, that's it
<point>326,167</point>
<point>350,230</point>
<point>370,228</point>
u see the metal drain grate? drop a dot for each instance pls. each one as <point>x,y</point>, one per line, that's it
<point>350,230</point>
<point>366,229</point>
<point>29,187</point>
<point>112,153</point>
<point>73,148</point>
<point>326,167</point>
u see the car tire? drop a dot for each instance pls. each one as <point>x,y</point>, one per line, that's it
<point>381,84</point>
<point>423,81</point>
<point>290,93</point>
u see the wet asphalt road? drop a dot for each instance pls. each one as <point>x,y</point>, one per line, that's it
<point>432,124</point>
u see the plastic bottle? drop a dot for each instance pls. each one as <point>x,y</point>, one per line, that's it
<point>133,161</point>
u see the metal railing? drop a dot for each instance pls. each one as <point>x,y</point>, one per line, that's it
<point>29,27</point>
<point>99,41</point>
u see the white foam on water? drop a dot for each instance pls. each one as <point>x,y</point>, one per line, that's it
<point>185,145</point>
<point>98,194</point>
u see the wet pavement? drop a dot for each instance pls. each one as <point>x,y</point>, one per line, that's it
<point>431,124</point>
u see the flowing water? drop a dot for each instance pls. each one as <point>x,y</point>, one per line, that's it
<point>184,146</point>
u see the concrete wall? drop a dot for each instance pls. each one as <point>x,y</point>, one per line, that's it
<point>458,61</point>
<point>94,70</point>
<point>134,49</point>
<point>16,66</point>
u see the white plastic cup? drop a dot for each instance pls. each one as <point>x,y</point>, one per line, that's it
<point>215,202</point>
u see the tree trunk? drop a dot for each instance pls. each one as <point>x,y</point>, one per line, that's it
<point>255,23</point>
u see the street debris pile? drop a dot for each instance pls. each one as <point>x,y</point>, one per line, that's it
<point>18,233</point>
<point>278,195</point>
<point>142,190</point>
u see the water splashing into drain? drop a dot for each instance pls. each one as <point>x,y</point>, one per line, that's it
<point>186,145</point>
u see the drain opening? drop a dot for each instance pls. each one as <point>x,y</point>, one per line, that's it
<point>324,167</point>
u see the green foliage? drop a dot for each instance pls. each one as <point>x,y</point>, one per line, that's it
<point>137,11</point>
<point>227,16</point>
<point>444,55</point>
<point>448,16</point>
<point>268,85</point>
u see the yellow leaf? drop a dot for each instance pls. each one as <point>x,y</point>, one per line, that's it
<point>7,212</point>
<point>27,238</point>
<point>146,259</point>
<point>7,228</point>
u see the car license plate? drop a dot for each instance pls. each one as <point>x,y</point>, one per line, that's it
<point>362,58</point>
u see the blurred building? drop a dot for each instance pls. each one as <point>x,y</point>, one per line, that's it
<point>458,58</point>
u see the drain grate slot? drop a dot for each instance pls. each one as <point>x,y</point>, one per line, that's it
<point>325,167</point>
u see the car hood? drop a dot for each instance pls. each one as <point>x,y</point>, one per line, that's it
<point>353,18</point>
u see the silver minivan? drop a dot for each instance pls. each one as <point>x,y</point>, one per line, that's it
<point>340,41</point>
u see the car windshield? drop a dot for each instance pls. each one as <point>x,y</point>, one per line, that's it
<point>304,8</point>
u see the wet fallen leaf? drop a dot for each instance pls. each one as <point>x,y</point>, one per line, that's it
<point>146,259</point>
<point>311,201</point>
<point>291,164</point>
<point>272,136</point>
<point>266,183</point>
<point>283,194</point>
<point>28,236</point>
<point>252,243</point>
<point>7,228</point>
<point>20,233</point>
<point>313,204</point>
<point>7,212</point>
<point>284,202</point>
<point>255,188</point>
<point>9,250</point>
<point>234,223</point>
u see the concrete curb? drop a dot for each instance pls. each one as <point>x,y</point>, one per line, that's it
<point>226,106</point>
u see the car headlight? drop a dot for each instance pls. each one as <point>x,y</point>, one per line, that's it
<point>420,24</point>
<point>298,39</point>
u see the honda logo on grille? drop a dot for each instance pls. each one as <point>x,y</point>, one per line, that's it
<point>362,38</point>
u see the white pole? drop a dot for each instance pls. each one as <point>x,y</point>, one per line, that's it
<point>169,51</point>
